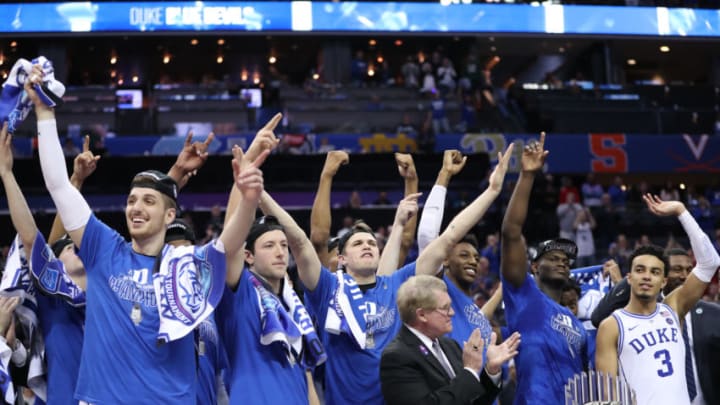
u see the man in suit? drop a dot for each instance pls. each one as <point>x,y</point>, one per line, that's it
<point>422,366</point>
<point>702,322</point>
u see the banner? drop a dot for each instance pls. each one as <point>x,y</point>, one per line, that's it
<point>347,16</point>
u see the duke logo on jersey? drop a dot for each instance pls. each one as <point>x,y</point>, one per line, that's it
<point>563,324</point>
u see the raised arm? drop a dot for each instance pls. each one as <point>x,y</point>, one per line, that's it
<point>84,165</point>
<point>246,202</point>
<point>707,260</point>
<point>406,210</point>
<point>307,261</point>
<point>20,214</point>
<point>191,158</point>
<point>406,167</point>
<point>434,208</point>
<point>321,214</point>
<point>606,352</point>
<point>432,257</point>
<point>71,206</point>
<point>491,305</point>
<point>513,263</point>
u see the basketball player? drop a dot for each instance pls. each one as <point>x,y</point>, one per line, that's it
<point>643,342</point>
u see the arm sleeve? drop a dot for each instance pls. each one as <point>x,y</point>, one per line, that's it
<point>432,216</point>
<point>706,257</point>
<point>71,206</point>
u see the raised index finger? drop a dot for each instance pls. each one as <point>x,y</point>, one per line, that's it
<point>188,138</point>
<point>542,140</point>
<point>209,139</point>
<point>86,143</point>
<point>272,124</point>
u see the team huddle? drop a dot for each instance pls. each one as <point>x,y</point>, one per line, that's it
<point>160,320</point>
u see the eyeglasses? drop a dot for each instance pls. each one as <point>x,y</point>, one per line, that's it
<point>445,310</point>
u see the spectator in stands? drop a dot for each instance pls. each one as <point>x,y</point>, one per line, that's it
<point>491,252</point>
<point>358,69</point>
<point>69,148</point>
<point>704,215</point>
<point>426,137</point>
<point>382,199</point>
<point>618,194</point>
<point>468,115</point>
<point>406,126</point>
<point>566,213</point>
<point>643,240</point>
<point>411,73</point>
<point>486,83</point>
<point>669,192</point>
<point>347,224</point>
<point>584,225</point>
<point>375,104</point>
<point>354,200</point>
<point>620,251</point>
<point>592,192</point>
<point>447,77</point>
<point>216,217</point>
<point>440,122</point>
<point>566,189</point>
<point>607,219</point>
<point>325,146</point>
<point>428,83</point>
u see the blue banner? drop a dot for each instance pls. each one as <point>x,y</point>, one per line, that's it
<point>569,153</point>
<point>146,16</point>
<point>348,16</point>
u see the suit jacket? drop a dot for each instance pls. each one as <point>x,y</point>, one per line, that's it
<point>706,347</point>
<point>410,374</point>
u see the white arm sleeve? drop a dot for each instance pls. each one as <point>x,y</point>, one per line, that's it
<point>74,211</point>
<point>432,216</point>
<point>706,257</point>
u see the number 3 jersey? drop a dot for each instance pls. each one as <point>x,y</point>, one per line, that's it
<point>651,356</point>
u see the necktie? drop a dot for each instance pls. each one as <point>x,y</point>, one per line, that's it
<point>441,358</point>
<point>689,372</point>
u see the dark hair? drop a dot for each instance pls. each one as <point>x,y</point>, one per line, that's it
<point>676,252</point>
<point>651,250</point>
<point>358,227</point>
<point>261,225</point>
<point>58,246</point>
<point>471,240</point>
<point>572,285</point>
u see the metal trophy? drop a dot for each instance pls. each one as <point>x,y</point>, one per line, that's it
<point>596,388</point>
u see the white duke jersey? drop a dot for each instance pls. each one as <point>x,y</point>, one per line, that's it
<point>651,356</point>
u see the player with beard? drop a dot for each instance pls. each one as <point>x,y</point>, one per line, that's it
<point>554,341</point>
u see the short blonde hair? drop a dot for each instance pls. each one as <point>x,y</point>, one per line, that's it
<point>418,292</point>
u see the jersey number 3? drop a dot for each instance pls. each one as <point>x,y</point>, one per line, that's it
<point>667,368</point>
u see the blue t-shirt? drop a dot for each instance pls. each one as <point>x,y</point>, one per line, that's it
<point>258,374</point>
<point>467,317</point>
<point>122,362</point>
<point>553,348</point>
<point>352,376</point>
<point>211,361</point>
<point>62,329</point>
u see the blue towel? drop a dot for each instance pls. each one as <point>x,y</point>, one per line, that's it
<point>17,282</point>
<point>591,278</point>
<point>49,273</point>
<point>188,287</point>
<point>15,105</point>
<point>292,328</point>
<point>345,312</point>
